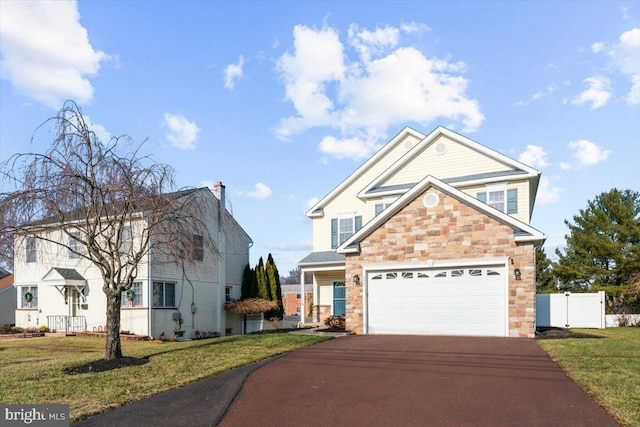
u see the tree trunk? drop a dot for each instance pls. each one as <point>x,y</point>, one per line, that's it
<point>113,350</point>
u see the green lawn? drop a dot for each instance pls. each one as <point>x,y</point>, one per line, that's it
<point>32,370</point>
<point>607,368</point>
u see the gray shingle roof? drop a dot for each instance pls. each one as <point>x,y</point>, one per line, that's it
<point>325,257</point>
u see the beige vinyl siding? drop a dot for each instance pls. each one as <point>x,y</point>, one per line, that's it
<point>458,160</point>
<point>347,201</point>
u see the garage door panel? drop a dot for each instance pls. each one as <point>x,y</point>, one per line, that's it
<point>456,303</point>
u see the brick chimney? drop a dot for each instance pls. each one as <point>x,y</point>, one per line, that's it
<point>219,192</point>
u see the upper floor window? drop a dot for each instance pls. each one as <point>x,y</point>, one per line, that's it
<point>344,227</point>
<point>227,293</point>
<point>31,249</point>
<point>502,198</point>
<point>74,245</point>
<point>28,297</point>
<point>384,204</point>
<point>198,248</point>
<point>126,240</point>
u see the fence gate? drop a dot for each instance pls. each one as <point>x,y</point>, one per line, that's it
<point>571,310</point>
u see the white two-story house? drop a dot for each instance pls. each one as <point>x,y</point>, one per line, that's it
<point>431,235</point>
<point>63,291</point>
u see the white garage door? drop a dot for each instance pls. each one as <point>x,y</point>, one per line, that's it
<point>440,301</point>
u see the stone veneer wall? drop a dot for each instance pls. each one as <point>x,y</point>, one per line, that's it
<point>450,230</point>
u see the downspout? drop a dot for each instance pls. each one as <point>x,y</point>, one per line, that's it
<point>149,295</point>
<point>219,191</point>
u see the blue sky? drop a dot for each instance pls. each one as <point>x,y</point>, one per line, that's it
<point>283,100</point>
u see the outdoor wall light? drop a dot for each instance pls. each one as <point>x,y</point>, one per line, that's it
<point>356,280</point>
<point>517,273</point>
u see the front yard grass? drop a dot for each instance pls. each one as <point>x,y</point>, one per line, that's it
<point>32,370</point>
<point>607,368</point>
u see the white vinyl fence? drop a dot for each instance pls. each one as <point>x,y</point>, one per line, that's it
<point>571,310</point>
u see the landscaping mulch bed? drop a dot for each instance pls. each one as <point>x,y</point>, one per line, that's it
<point>560,333</point>
<point>103,365</point>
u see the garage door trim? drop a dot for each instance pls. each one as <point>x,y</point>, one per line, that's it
<point>502,262</point>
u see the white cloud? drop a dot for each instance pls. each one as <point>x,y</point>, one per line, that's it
<point>534,156</point>
<point>103,135</point>
<point>538,95</point>
<point>46,52</point>
<point>353,148</point>
<point>626,58</point>
<point>233,72</point>
<point>597,47</point>
<point>597,94</point>
<point>260,192</point>
<point>299,245</point>
<point>565,166</point>
<point>547,193</point>
<point>311,203</point>
<point>361,99</point>
<point>182,133</point>
<point>588,153</point>
<point>414,27</point>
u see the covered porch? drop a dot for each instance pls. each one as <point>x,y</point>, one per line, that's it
<point>329,292</point>
<point>72,286</point>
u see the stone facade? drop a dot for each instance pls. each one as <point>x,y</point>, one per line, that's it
<point>450,230</point>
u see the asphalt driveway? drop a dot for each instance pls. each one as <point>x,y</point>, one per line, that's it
<point>414,381</point>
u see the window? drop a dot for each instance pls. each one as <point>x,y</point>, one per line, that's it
<point>457,273</point>
<point>227,293</point>
<point>74,245</point>
<point>164,294</point>
<point>384,204</point>
<point>503,199</point>
<point>132,297</point>
<point>344,227</point>
<point>198,248</point>
<point>297,296</point>
<point>127,240</point>
<point>28,297</point>
<point>31,249</point>
<point>339,298</point>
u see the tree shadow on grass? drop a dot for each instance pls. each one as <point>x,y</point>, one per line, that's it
<point>103,365</point>
<point>544,333</point>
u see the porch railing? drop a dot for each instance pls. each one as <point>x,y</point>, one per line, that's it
<point>67,323</point>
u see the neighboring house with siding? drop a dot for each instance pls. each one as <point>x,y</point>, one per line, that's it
<point>292,298</point>
<point>431,235</point>
<point>7,298</point>
<point>64,291</point>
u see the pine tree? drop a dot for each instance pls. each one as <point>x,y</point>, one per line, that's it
<point>273,278</point>
<point>247,280</point>
<point>545,281</point>
<point>603,245</point>
<point>261,277</point>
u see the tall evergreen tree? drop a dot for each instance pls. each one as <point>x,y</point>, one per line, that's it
<point>603,244</point>
<point>247,280</point>
<point>273,278</point>
<point>261,276</point>
<point>545,281</point>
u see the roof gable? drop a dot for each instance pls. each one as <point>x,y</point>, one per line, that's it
<point>401,138</point>
<point>453,158</point>
<point>522,231</point>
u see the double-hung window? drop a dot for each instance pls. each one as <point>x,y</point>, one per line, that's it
<point>339,298</point>
<point>384,204</point>
<point>31,249</point>
<point>198,248</point>
<point>28,297</point>
<point>126,240</point>
<point>344,227</point>
<point>74,245</point>
<point>132,297</point>
<point>500,197</point>
<point>164,294</point>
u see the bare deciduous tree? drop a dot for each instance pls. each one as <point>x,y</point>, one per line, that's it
<point>103,202</point>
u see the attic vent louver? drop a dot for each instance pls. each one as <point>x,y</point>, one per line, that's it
<point>431,200</point>
<point>441,148</point>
